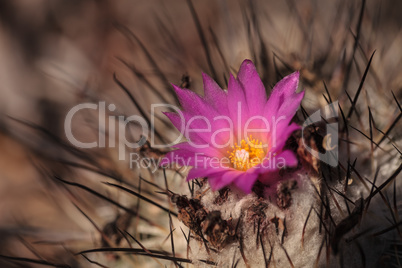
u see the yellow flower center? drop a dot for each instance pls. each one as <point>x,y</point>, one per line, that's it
<point>246,155</point>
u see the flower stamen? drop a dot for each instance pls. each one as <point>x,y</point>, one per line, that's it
<point>246,155</point>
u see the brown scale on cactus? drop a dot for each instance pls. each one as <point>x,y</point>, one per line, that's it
<point>222,196</point>
<point>205,225</point>
<point>217,231</point>
<point>191,212</point>
<point>284,193</point>
<point>255,214</point>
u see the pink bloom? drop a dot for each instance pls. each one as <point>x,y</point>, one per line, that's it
<point>236,136</point>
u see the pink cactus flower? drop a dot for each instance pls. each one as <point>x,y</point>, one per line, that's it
<point>236,137</point>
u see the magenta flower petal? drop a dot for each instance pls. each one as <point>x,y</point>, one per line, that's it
<point>272,177</point>
<point>287,86</point>
<point>289,107</point>
<point>281,95</point>
<point>195,105</point>
<point>214,95</point>
<point>180,122</point>
<point>188,155</point>
<point>220,180</point>
<point>289,157</point>
<point>246,181</point>
<point>189,100</point>
<point>283,159</point>
<point>255,93</point>
<point>197,114</point>
<point>220,144</point>
<point>283,132</point>
<point>238,111</point>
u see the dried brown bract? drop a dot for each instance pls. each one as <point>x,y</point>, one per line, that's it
<point>256,214</point>
<point>206,226</point>
<point>223,196</point>
<point>259,188</point>
<point>191,212</point>
<point>217,231</point>
<point>312,139</point>
<point>284,193</point>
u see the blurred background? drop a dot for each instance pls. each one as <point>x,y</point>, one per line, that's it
<point>55,54</point>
